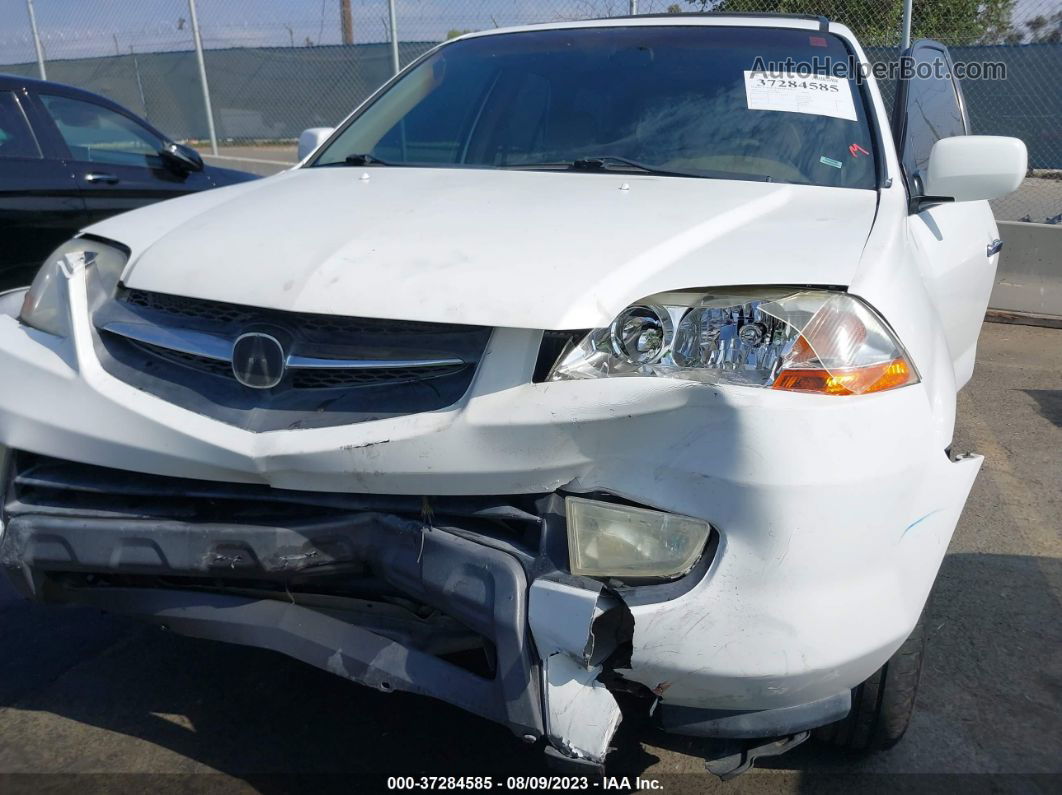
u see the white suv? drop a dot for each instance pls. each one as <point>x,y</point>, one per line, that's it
<point>582,358</point>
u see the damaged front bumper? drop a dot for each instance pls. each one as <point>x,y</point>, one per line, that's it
<point>831,516</point>
<point>427,596</point>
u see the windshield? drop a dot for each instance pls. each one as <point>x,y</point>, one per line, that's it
<point>683,101</point>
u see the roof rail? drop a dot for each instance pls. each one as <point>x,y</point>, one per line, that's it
<point>824,23</point>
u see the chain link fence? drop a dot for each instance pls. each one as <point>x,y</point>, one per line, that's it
<point>275,67</point>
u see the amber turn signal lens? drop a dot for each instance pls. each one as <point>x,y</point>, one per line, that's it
<point>875,378</point>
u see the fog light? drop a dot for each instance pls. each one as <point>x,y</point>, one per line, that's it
<point>609,540</point>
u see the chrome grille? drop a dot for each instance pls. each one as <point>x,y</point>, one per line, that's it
<point>201,363</point>
<point>311,325</point>
<point>336,369</point>
<point>309,377</point>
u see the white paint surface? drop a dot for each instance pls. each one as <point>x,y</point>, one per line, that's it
<point>581,714</point>
<point>502,248</point>
<point>561,618</point>
<point>976,167</point>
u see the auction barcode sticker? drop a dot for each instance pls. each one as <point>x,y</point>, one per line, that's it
<point>821,95</point>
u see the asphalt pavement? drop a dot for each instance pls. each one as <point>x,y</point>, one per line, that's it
<point>90,702</point>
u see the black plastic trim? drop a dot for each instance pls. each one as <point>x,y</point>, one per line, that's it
<point>751,724</point>
<point>552,347</point>
<point>531,528</point>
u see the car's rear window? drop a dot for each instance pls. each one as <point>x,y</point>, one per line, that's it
<point>676,98</point>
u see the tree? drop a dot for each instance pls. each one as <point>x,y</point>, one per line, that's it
<point>878,22</point>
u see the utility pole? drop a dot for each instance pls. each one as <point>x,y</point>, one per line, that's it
<point>36,40</point>
<point>139,82</point>
<point>203,77</point>
<point>346,21</point>
<point>906,35</point>
<point>394,36</point>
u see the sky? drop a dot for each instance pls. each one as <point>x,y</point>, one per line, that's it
<point>85,28</point>
<point>79,28</point>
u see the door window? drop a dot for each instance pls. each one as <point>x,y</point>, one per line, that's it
<point>932,108</point>
<point>96,134</point>
<point>16,137</point>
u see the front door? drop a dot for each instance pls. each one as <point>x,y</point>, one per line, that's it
<point>956,241</point>
<point>114,157</point>
<point>40,205</point>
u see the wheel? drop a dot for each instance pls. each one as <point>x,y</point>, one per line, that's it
<point>882,705</point>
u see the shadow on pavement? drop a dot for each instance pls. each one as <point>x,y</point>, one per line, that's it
<point>1050,402</point>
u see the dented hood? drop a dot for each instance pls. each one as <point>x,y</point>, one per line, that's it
<point>550,250</point>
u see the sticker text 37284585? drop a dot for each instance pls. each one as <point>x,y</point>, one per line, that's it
<point>820,95</point>
<point>797,82</point>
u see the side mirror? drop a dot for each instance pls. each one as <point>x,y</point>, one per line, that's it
<point>312,138</point>
<point>180,158</point>
<point>970,168</point>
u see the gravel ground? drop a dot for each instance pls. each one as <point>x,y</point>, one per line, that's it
<point>90,702</point>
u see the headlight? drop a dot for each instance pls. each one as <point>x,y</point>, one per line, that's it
<point>799,340</point>
<point>46,305</point>
<point>609,540</point>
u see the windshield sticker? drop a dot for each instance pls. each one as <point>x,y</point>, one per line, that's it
<point>819,95</point>
<point>829,161</point>
<point>855,150</point>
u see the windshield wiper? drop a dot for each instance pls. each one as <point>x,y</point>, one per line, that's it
<point>612,163</point>
<point>603,163</point>
<point>365,160</point>
<point>617,164</point>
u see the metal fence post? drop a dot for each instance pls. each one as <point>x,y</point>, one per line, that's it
<point>346,22</point>
<point>394,36</point>
<point>634,7</point>
<point>905,37</point>
<point>139,82</point>
<point>203,76</point>
<point>36,40</point>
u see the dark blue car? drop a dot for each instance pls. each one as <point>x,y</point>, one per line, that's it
<point>69,158</point>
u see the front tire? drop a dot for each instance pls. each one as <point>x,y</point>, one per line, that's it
<point>883,704</point>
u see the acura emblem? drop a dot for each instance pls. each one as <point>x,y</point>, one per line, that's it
<point>258,360</point>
